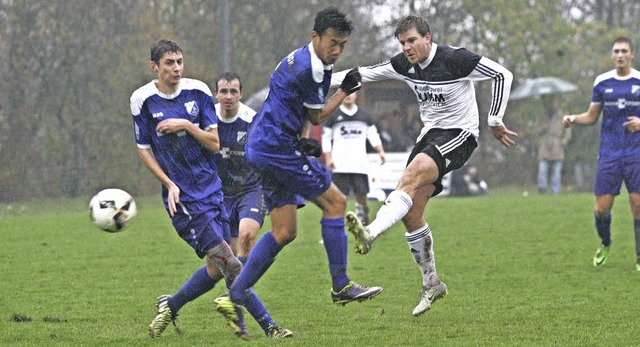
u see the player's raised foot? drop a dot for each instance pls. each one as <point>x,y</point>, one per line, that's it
<point>163,318</point>
<point>364,241</point>
<point>278,332</point>
<point>354,292</point>
<point>428,297</point>
<point>232,313</point>
<point>601,255</point>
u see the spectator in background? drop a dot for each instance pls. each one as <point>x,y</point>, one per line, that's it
<point>344,143</point>
<point>385,134</point>
<point>553,137</point>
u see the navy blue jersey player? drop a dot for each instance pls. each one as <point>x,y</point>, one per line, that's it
<point>616,95</point>
<point>176,133</point>
<point>297,92</point>
<point>241,185</point>
<point>442,77</point>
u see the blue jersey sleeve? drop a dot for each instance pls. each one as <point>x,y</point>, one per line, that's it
<point>208,116</point>
<point>141,116</point>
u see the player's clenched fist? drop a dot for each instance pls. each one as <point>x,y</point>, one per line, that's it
<point>352,81</point>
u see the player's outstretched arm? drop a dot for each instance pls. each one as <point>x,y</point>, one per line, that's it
<point>318,116</point>
<point>586,118</point>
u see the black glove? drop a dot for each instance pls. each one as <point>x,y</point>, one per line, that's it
<point>310,147</point>
<point>352,81</point>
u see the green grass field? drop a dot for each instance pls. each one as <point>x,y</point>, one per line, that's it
<point>518,270</point>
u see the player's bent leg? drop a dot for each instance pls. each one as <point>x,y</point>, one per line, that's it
<point>229,266</point>
<point>248,230</point>
<point>421,246</point>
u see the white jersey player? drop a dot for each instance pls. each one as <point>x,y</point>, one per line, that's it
<point>344,143</point>
<point>442,78</point>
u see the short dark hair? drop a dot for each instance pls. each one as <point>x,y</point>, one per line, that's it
<point>161,47</point>
<point>332,18</point>
<point>228,76</point>
<point>623,39</point>
<point>409,22</point>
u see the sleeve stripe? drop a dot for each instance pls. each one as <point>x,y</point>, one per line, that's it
<point>498,94</point>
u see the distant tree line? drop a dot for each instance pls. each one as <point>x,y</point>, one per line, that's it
<point>69,67</point>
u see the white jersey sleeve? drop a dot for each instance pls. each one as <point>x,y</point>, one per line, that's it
<point>500,87</point>
<point>373,136</point>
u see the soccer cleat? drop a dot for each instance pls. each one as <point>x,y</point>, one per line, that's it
<point>601,256</point>
<point>278,332</point>
<point>428,297</point>
<point>164,317</point>
<point>364,241</point>
<point>233,314</point>
<point>354,292</point>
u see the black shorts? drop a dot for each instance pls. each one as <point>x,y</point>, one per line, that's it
<point>449,148</point>
<point>347,182</point>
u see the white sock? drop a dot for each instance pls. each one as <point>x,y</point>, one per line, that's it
<point>395,207</point>
<point>421,246</point>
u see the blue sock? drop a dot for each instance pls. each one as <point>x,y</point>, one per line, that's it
<point>636,232</point>
<point>262,256</point>
<point>256,308</point>
<point>336,244</point>
<point>199,283</point>
<point>603,226</point>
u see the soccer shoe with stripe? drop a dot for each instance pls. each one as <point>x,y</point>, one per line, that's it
<point>364,241</point>
<point>428,297</point>
<point>601,255</point>
<point>278,332</point>
<point>164,317</point>
<point>232,313</point>
<point>354,292</point>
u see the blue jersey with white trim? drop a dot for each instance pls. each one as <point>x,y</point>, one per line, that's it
<point>619,98</point>
<point>300,80</point>
<point>187,163</point>
<point>237,174</point>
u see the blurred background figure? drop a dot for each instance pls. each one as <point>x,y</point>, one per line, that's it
<point>344,143</point>
<point>553,137</point>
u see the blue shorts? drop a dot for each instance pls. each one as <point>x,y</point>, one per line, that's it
<point>202,230</point>
<point>612,171</point>
<point>247,204</point>
<point>288,177</point>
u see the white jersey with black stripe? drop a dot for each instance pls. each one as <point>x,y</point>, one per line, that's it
<point>443,85</point>
<point>345,135</point>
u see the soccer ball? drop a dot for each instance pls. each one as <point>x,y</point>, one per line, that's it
<point>112,209</point>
